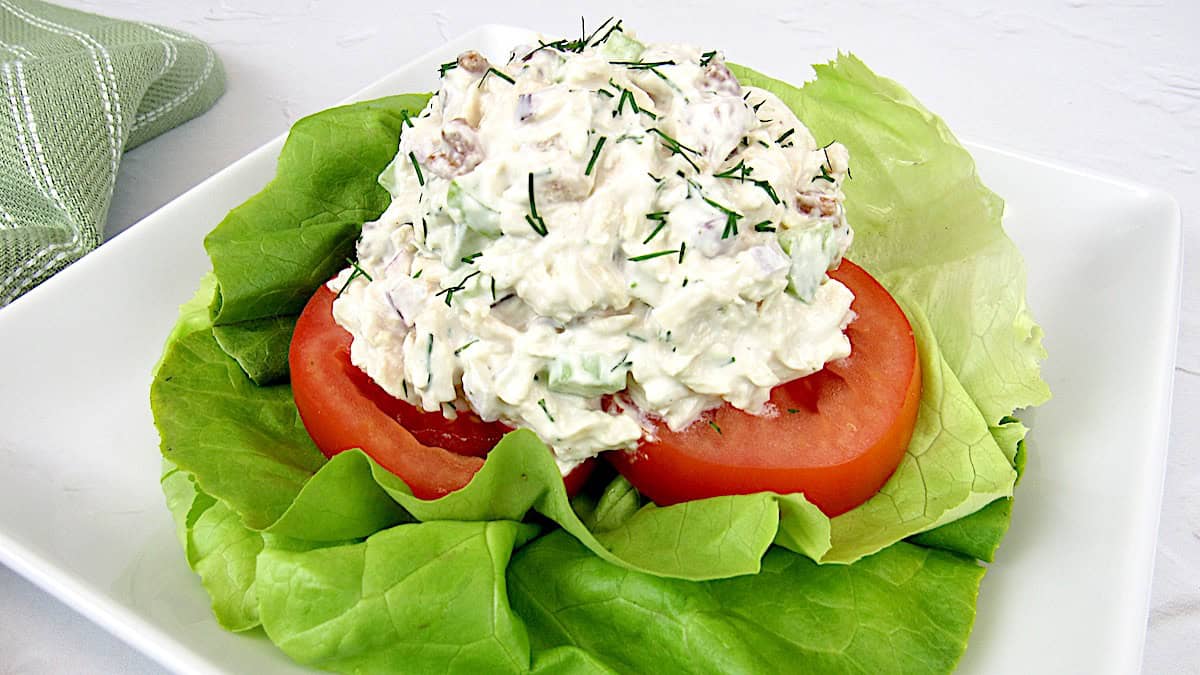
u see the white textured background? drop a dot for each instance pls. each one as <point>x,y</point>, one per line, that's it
<point>1110,86</point>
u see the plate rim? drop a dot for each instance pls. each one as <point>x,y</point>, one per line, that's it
<point>162,647</point>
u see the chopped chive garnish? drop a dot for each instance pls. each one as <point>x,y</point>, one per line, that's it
<point>656,254</point>
<point>418,274</point>
<point>758,105</point>
<point>510,295</point>
<point>450,291</point>
<point>848,174</point>
<point>682,248</point>
<point>764,226</point>
<point>469,259</point>
<point>632,137</point>
<point>429,362</point>
<point>537,226</point>
<point>498,73</point>
<point>685,282</point>
<point>626,95</point>
<point>535,221</point>
<point>666,79</point>
<point>417,167</point>
<point>824,175</point>
<point>595,153</point>
<point>542,404</point>
<point>355,273</point>
<point>792,411</point>
<point>560,45</point>
<point>585,41</point>
<point>707,58</point>
<point>604,92</point>
<point>731,217</point>
<point>714,426</point>
<point>404,384</point>
<point>765,144</point>
<point>493,288</point>
<point>359,270</point>
<point>654,178</point>
<point>738,172</point>
<point>447,67</point>
<point>620,363</point>
<point>641,65</point>
<point>672,141</point>
<point>636,338</point>
<point>785,136</point>
<point>405,119</point>
<point>675,146</point>
<point>654,233</point>
<point>662,222</point>
<point>766,187</point>
<point>460,349</point>
<point>616,27</point>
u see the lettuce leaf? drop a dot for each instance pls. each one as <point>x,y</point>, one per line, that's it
<point>905,609</point>
<point>322,551</point>
<point>260,346</point>
<point>272,252</point>
<point>421,597</point>
<point>927,228</point>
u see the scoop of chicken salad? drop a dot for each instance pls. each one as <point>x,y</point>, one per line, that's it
<point>595,236</point>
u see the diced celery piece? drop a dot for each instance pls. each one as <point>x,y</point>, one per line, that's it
<point>461,242</point>
<point>621,47</point>
<point>388,178</point>
<point>811,250</point>
<point>467,209</point>
<point>587,374</point>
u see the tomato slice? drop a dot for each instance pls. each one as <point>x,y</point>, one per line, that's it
<point>837,435</point>
<point>343,408</point>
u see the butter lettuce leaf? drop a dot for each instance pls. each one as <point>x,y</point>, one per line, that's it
<point>244,444</point>
<point>423,597</point>
<point>271,253</point>
<point>260,346</point>
<point>925,226</point>
<point>952,468</point>
<point>905,609</point>
<point>222,550</point>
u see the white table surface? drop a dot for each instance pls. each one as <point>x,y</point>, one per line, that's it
<point>1110,86</point>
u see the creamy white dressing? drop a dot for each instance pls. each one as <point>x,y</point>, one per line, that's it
<point>567,227</point>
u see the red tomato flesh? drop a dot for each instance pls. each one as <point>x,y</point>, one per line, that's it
<point>838,434</point>
<point>343,408</point>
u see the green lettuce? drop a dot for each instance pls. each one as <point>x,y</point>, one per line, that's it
<point>346,570</point>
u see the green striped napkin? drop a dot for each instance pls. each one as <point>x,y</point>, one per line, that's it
<point>76,91</point>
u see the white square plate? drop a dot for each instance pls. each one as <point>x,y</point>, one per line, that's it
<point>81,513</point>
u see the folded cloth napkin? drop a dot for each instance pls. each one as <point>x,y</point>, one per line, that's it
<point>77,90</point>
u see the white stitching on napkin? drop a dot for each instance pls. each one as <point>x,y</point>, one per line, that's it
<point>31,125</point>
<point>20,51</point>
<point>149,116</point>
<point>96,49</point>
<point>19,125</point>
<point>168,46</point>
<point>73,246</point>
